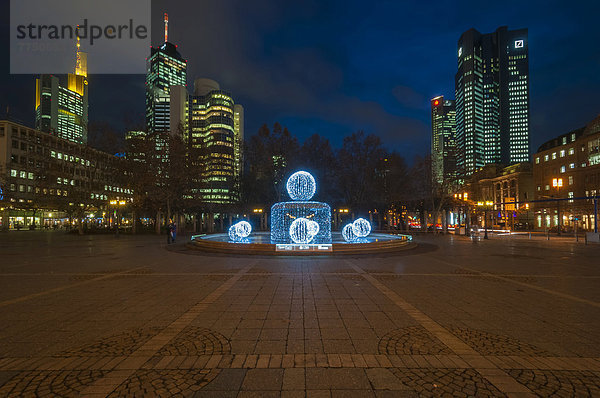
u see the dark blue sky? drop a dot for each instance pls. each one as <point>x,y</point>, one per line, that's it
<point>335,67</point>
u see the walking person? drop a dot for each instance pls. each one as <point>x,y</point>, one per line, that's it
<point>170,227</point>
<point>173,231</point>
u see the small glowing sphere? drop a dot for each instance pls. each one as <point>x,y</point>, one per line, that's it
<point>237,232</point>
<point>303,230</point>
<point>233,233</point>
<point>243,229</point>
<point>301,186</point>
<point>348,233</point>
<point>361,227</point>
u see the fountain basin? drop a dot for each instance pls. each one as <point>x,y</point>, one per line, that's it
<point>260,243</point>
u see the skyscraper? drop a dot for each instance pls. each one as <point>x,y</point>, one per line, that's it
<point>443,140</point>
<point>492,98</point>
<point>165,68</point>
<point>213,128</point>
<point>63,111</point>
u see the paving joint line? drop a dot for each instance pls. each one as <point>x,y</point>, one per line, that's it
<point>524,284</point>
<point>130,364</point>
<point>316,360</point>
<point>65,287</point>
<point>498,377</point>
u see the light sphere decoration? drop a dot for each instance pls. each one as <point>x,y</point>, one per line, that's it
<point>303,230</point>
<point>243,229</point>
<point>233,233</point>
<point>239,231</point>
<point>361,227</point>
<point>301,186</point>
<point>348,233</point>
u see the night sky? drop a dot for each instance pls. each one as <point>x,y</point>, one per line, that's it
<point>335,67</point>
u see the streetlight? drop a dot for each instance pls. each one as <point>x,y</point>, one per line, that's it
<point>117,204</point>
<point>558,183</point>
<point>486,205</point>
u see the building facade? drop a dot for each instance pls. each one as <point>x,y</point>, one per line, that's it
<point>43,174</point>
<point>568,167</point>
<point>509,188</point>
<point>165,68</point>
<point>492,98</point>
<point>63,110</point>
<point>443,140</point>
<point>213,129</point>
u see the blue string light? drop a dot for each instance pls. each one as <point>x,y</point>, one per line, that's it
<point>361,227</point>
<point>348,233</point>
<point>301,186</point>
<point>239,231</point>
<point>303,230</point>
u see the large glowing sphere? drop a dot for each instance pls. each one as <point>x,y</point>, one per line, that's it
<point>361,227</point>
<point>301,186</point>
<point>348,233</point>
<point>243,229</point>
<point>303,230</point>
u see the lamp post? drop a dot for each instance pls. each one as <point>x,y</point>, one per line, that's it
<point>486,206</point>
<point>117,204</point>
<point>558,183</point>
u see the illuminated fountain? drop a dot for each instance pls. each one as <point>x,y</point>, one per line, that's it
<point>301,226</point>
<point>301,221</point>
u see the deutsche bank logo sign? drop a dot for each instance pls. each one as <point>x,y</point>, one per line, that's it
<point>114,34</point>
<point>518,43</point>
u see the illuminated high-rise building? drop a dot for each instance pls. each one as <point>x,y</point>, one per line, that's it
<point>165,68</point>
<point>60,110</point>
<point>492,98</point>
<point>443,140</point>
<point>213,128</point>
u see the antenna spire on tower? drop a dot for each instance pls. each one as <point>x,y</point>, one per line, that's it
<point>77,54</point>
<point>166,26</point>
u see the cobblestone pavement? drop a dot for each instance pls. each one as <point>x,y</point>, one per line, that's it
<point>98,316</point>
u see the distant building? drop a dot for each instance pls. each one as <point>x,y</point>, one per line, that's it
<point>165,68</point>
<point>44,177</point>
<point>443,142</point>
<point>510,188</point>
<point>63,111</point>
<point>492,98</point>
<point>213,128</point>
<point>134,150</point>
<point>573,159</point>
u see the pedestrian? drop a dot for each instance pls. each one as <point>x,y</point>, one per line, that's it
<point>174,231</point>
<point>170,231</point>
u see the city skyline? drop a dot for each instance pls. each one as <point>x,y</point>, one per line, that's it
<point>337,89</point>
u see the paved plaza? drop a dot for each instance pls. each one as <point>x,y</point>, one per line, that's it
<point>100,316</point>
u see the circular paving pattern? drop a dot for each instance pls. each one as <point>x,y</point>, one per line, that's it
<point>49,383</point>
<point>165,383</point>
<point>492,344</point>
<point>122,344</point>
<point>446,382</point>
<point>196,341</point>
<point>411,340</point>
<point>559,383</point>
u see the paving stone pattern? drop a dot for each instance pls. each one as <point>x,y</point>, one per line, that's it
<point>411,340</point>
<point>165,383</point>
<point>48,383</point>
<point>492,344</point>
<point>118,345</point>
<point>195,341</point>
<point>559,383</point>
<point>447,382</point>
<point>453,318</point>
